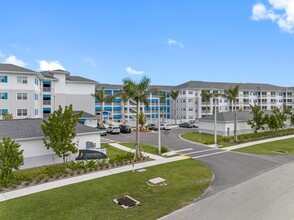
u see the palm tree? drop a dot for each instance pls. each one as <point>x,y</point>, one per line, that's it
<point>136,91</point>
<point>163,100</point>
<point>232,94</point>
<point>102,98</point>
<point>206,97</point>
<point>124,98</point>
<point>174,94</point>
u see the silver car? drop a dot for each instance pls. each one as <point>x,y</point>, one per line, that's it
<point>113,130</point>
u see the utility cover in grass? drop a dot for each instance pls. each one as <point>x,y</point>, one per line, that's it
<point>126,202</point>
<point>157,181</point>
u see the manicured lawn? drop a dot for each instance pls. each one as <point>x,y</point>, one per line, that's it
<point>146,148</point>
<point>186,180</point>
<point>204,138</point>
<point>268,148</point>
<point>112,151</point>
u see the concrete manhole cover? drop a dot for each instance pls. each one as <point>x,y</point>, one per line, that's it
<point>126,202</point>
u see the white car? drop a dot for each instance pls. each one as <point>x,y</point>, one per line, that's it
<point>163,126</point>
<point>113,130</point>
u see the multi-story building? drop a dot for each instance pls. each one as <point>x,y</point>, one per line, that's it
<point>20,92</point>
<point>115,111</point>
<point>28,94</point>
<point>191,106</point>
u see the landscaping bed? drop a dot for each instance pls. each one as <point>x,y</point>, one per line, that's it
<point>186,181</point>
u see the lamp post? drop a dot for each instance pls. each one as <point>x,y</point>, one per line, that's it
<point>215,120</point>
<point>159,135</point>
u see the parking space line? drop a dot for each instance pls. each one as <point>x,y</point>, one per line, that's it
<point>187,149</point>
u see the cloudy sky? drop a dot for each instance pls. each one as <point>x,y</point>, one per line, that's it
<point>171,41</point>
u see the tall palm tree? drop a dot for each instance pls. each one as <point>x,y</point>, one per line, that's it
<point>102,98</point>
<point>136,91</point>
<point>206,97</point>
<point>232,95</point>
<point>124,98</point>
<point>162,98</point>
<point>174,94</point>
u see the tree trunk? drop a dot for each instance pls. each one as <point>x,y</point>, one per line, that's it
<point>206,108</point>
<point>101,114</point>
<point>124,119</point>
<point>137,154</point>
<point>235,123</point>
<point>175,106</point>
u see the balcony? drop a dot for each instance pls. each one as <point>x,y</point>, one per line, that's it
<point>46,102</point>
<point>46,115</point>
<point>46,89</point>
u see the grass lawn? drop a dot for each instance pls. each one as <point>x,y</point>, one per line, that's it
<point>186,180</point>
<point>204,138</point>
<point>268,148</point>
<point>112,151</point>
<point>146,148</point>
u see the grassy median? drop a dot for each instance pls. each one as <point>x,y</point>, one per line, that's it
<point>186,181</point>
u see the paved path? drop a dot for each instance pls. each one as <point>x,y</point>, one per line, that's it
<point>257,142</point>
<point>269,196</point>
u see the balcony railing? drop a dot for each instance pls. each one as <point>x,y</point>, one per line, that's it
<point>46,89</point>
<point>46,102</point>
<point>46,115</point>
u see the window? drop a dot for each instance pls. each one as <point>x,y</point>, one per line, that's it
<point>36,82</point>
<point>190,100</point>
<point>183,92</point>
<point>190,109</point>
<point>3,79</point>
<point>190,116</point>
<point>3,111</point>
<point>22,96</point>
<point>22,112</point>
<point>36,111</point>
<point>190,92</point>
<point>36,96</point>
<point>4,95</point>
<point>22,79</point>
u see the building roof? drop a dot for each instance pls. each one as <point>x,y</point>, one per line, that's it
<point>225,85</point>
<point>10,68</point>
<point>79,79</point>
<point>85,115</point>
<point>228,117</point>
<point>48,75</point>
<point>115,86</point>
<point>31,128</point>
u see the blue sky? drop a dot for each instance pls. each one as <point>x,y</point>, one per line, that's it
<point>172,42</point>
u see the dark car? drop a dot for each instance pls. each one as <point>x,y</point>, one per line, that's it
<point>102,130</point>
<point>186,125</point>
<point>125,129</point>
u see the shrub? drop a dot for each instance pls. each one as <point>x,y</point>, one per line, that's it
<point>164,149</point>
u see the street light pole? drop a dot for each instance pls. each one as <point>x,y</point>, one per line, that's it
<point>159,135</point>
<point>215,124</point>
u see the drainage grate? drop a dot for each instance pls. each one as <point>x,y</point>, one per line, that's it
<point>126,202</point>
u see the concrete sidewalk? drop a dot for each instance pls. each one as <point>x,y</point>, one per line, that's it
<point>68,181</point>
<point>257,142</point>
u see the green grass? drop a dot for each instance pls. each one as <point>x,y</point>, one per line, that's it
<point>268,148</point>
<point>186,180</point>
<point>111,152</point>
<point>205,138</point>
<point>146,148</point>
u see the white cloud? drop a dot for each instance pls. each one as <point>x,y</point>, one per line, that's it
<point>130,70</point>
<point>280,12</point>
<point>50,65</point>
<point>90,61</point>
<point>172,42</point>
<point>13,60</point>
<point>2,54</point>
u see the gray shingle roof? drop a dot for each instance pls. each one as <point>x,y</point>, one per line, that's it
<point>48,75</point>
<point>13,68</point>
<point>85,115</point>
<point>79,79</point>
<point>30,128</point>
<point>225,85</point>
<point>228,117</point>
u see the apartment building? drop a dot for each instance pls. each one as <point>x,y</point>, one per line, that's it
<point>20,92</point>
<point>114,111</point>
<point>191,106</point>
<point>25,93</point>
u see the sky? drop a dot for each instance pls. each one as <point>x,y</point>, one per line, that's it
<point>170,41</point>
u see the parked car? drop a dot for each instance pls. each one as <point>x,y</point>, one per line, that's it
<point>150,126</point>
<point>163,126</point>
<point>113,130</point>
<point>185,125</point>
<point>102,130</point>
<point>194,123</point>
<point>125,128</point>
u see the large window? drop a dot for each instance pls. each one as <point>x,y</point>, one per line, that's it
<point>4,95</point>
<point>22,112</point>
<point>22,79</point>
<point>22,96</point>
